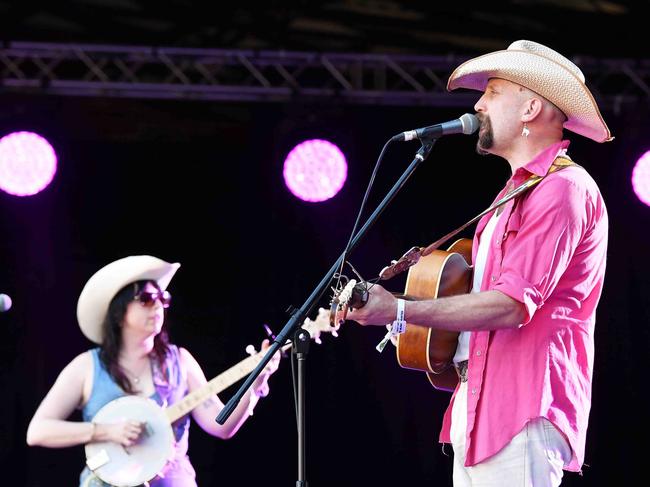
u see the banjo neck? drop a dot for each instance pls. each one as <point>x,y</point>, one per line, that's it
<point>216,385</point>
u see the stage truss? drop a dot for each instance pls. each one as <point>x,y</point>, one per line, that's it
<point>273,76</point>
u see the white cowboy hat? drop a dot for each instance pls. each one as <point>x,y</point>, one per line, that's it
<point>102,287</point>
<point>544,71</point>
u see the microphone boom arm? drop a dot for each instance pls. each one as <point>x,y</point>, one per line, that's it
<point>299,315</point>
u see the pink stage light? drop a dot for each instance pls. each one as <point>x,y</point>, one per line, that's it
<point>27,163</point>
<point>641,178</point>
<point>315,170</point>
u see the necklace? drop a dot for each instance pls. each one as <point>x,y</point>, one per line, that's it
<point>135,378</point>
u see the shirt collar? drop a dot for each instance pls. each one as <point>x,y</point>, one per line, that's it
<point>541,163</point>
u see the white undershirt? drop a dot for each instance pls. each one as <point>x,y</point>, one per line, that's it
<point>462,351</point>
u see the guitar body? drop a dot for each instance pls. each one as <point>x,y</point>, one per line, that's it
<point>130,466</point>
<point>441,273</point>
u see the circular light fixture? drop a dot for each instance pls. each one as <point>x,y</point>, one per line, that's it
<point>315,170</point>
<point>641,178</point>
<point>27,163</point>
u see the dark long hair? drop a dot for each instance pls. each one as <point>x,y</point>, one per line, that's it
<point>112,344</point>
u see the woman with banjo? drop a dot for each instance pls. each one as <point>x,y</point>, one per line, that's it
<point>134,369</point>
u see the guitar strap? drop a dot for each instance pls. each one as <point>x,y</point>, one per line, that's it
<point>411,257</point>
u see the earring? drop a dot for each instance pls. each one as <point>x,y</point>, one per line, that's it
<point>525,131</point>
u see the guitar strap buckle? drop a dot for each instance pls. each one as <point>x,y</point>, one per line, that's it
<point>409,259</point>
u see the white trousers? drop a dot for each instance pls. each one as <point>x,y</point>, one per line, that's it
<point>533,458</point>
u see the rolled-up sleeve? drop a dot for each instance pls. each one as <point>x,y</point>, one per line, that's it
<point>538,246</point>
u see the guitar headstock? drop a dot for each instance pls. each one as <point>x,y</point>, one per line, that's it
<point>353,295</point>
<point>321,324</point>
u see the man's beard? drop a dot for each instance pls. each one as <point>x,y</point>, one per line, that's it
<point>485,137</point>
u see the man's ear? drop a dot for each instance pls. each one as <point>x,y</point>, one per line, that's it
<point>532,108</point>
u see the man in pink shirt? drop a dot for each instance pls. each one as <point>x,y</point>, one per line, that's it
<point>519,413</point>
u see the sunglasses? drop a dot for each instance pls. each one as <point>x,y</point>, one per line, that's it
<point>146,298</point>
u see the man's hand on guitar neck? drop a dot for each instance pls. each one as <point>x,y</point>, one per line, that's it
<point>380,309</point>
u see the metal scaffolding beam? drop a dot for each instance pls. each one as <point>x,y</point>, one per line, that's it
<point>272,76</point>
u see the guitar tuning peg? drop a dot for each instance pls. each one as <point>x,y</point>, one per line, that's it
<point>250,350</point>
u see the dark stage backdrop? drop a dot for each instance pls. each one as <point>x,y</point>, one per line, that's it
<point>201,183</point>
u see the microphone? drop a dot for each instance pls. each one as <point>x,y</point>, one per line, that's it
<point>466,124</point>
<point>5,303</point>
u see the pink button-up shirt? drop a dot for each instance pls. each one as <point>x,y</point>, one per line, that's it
<point>548,252</point>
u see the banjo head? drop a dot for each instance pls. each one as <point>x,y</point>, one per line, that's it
<point>130,466</point>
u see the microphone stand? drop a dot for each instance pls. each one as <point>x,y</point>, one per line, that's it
<point>300,350</point>
<point>298,315</point>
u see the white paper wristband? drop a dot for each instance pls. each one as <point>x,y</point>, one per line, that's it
<point>398,326</point>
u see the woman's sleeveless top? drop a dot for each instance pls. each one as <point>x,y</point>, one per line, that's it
<point>171,386</point>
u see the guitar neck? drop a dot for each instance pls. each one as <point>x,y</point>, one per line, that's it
<point>216,385</point>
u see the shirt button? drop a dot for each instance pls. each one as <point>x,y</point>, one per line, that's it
<point>474,390</point>
<point>478,353</point>
<point>494,278</point>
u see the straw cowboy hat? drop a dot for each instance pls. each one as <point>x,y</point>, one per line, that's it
<point>544,71</point>
<point>102,287</point>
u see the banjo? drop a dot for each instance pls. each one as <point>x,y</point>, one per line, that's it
<point>137,464</point>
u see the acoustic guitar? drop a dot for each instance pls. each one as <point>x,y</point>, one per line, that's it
<point>440,273</point>
<point>131,466</point>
